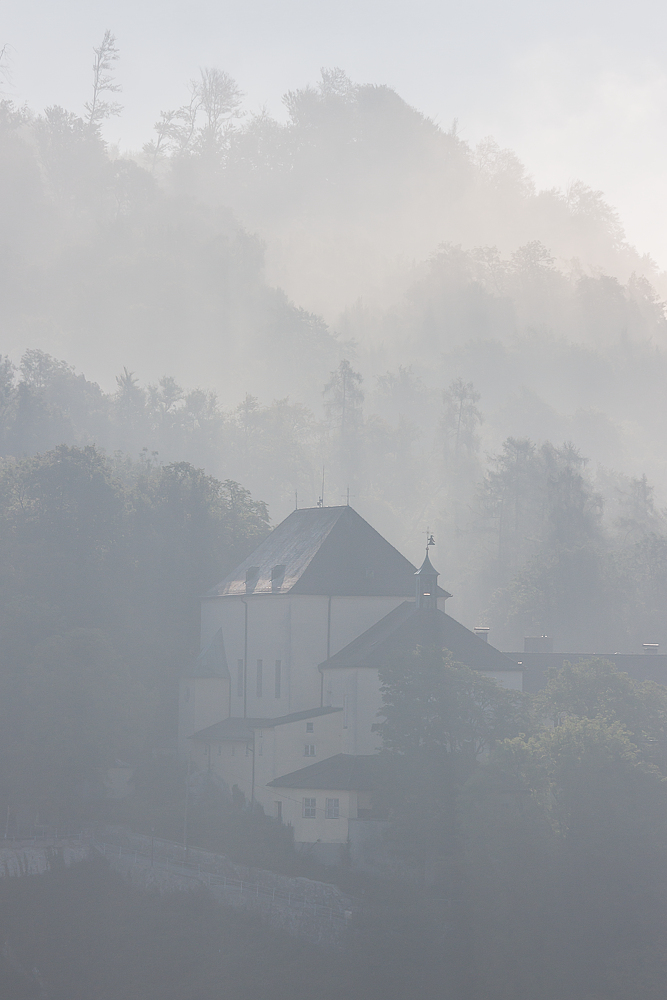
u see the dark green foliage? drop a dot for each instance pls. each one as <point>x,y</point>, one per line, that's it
<point>564,867</point>
<point>436,706</point>
<point>438,718</point>
<point>217,820</point>
<point>83,932</point>
<point>564,844</point>
<point>87,933</point>
<point>103,565</point>
<point>551,849</point>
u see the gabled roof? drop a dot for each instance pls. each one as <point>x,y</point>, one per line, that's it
<point>330,551</point>
<point>242,729</point>
<point>212,662</point>
<point>343,772</point>
<point>407,627</point>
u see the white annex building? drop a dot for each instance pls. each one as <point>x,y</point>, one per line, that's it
<point>283,697</point>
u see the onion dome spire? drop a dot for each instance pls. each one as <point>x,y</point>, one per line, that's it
<point>426,580</point>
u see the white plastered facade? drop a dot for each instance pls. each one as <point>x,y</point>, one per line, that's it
<point>274,643</point>
<point>277,750</point>
<point>296,631</point>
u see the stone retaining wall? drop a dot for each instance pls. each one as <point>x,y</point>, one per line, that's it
<point>317,911</point>
<point>30,859</point>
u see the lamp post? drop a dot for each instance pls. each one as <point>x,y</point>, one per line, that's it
<point>252,787</point>
<point>185,816</point>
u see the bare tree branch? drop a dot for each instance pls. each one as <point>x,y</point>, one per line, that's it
<point>103,82</point>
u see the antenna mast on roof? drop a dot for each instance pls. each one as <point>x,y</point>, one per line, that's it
<point>320,502</point>
<point>296,500</point>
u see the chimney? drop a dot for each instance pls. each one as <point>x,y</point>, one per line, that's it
<point>251,578</point>
<point>538,644</point>
<point>482,631</point>
<point>650,647</point>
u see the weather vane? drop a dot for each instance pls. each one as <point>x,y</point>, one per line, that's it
<point>430,540</point>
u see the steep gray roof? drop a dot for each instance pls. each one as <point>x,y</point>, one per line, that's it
<point>242,729</point>
<point>343,772</point>
<point>330,551</point>
<point>405,628</point>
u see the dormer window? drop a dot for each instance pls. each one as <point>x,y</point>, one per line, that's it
<point>251,578</point>
<point>277,576</point>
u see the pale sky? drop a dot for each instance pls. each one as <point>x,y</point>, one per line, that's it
<point>577,89</point>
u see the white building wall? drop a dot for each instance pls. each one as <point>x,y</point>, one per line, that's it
<point>219,612</point>
<point>309,648</point>
<point>308,831</point>
<point>351,616</point>
<point>229,761</point>
<point>292,630</point>
<point>202,702</point>
<point>357,690</point>
<point>300,631</point>
<point>278,750</point>
<point>284,746</point>
<point>281,751</point>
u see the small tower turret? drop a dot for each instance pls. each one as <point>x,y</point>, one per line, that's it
<point>426,579</point>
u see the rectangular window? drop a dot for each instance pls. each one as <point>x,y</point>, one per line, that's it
<point>309,750</point>
<point>309,811</point>
<point>278,677</point>
<point>310,727</point>
<point>259,678</point>
<point>332,810</point>
<point>279,810</point>
<point>239,678</point>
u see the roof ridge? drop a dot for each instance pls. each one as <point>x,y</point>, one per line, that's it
<point>408,626</point>
<point>238,722</point>
<point>325,551</point>
<point>341,772</point>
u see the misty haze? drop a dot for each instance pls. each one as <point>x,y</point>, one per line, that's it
<point>333,536</point>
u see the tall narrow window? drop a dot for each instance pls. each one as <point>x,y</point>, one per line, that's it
<point>332,810</point>
<point>259,678</point>
<point>278,677</point>
<point>309,811</point>
<point>344,711</point>
<point>239,678</point>
<point>279,810</point>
